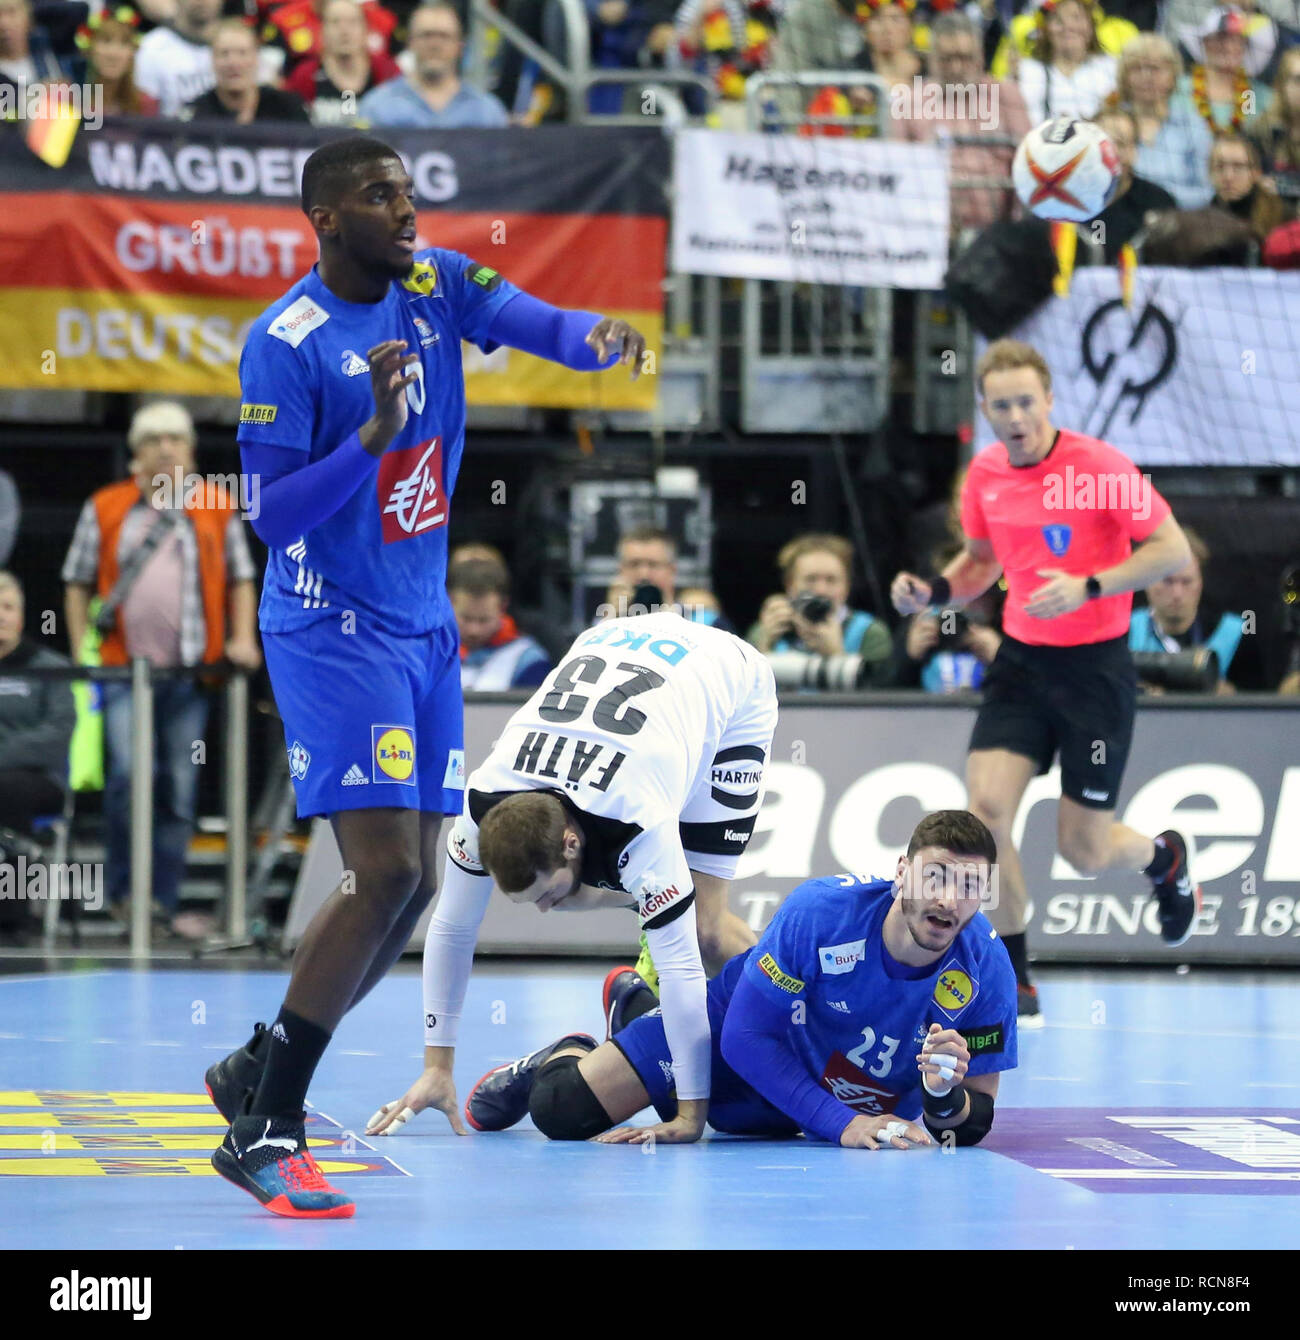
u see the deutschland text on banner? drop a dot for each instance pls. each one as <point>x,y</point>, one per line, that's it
<point>139,265</point>
<point>820,210</point>
<point>1200,369</point>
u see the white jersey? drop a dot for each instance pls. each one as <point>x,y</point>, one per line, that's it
<point>654,731</point>
<point>175,70</point>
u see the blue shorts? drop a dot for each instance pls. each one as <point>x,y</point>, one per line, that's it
<point>371,720</point>
<point>734,1107</point>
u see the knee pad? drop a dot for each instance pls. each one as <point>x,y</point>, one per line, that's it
<point>562,1104</point>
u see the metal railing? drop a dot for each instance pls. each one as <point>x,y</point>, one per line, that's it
<point>141,676</point>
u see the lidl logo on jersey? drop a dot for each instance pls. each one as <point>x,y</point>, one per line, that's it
<point>297,321</point>
<point>423,279</point>
<point>955,989</point>
<point>1058,538</point>
<point>394,754</point>
<point>299,760</point>
<point>352,364</point>
<point>409,489</point>
<point>257,413</point>
<point>768,966</point>
<point>842,958</point>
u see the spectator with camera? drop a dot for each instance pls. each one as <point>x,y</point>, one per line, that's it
<point>36,721</point>
<point>808,631</point>
<point>1171,638</point>
<point>647,579</point>
<point>494,654</point>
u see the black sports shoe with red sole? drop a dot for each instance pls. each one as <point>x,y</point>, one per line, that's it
<point>1179,898</point>
<point>231,1080</point>
<point>500,1098</point>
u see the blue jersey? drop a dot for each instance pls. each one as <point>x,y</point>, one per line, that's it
<point>865,1015</point>
<point>305,384</point>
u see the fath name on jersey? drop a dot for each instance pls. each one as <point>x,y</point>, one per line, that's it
<point>584,756</point>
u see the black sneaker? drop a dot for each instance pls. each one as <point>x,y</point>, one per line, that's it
<point>1029,1013</point>
<point>230,1081</point>
<point>620,988</point>
<point>268,1157</point>
<point>500,1098</point>
<point>1179,898</point>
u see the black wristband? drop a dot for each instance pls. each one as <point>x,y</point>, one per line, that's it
<point>940,591</point>
<point>1093,588</point>
<point>941,1109</point>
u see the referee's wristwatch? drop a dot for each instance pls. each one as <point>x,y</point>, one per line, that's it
<point>1093,588</point>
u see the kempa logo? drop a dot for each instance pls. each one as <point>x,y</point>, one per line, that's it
<point>39,880</point>
<point>99,1293</point>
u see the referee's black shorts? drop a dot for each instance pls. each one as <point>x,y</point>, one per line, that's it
<point>1078,701</point>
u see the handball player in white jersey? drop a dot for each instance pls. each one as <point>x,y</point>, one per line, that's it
<point>631,778</point>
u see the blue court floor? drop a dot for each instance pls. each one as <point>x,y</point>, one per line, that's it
<point>1154,1111</point>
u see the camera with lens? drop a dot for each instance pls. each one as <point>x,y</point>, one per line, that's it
<point>803,670</point>
<point>1193,671</point>
<point>808,605</point>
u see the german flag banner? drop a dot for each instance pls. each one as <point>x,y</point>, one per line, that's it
<point>141,264</point>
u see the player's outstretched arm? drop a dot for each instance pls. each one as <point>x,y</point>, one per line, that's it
<point>756,1045</point>
<point>967,577</point>
<point>583,341</point>
<point>448,960</point>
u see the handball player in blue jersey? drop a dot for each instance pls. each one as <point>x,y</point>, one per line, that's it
<point>867,1005</point>
<point>353,416</point>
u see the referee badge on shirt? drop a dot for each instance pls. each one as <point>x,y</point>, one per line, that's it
<point>1058,538</point>
<point>394,749</point>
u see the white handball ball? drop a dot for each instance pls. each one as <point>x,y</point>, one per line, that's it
<point>1066,169</point>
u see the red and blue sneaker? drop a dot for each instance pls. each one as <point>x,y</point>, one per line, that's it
<point>1178,897</point>
<point>621,988</point>
<point>268,1157</point>
<point>500,1098</point>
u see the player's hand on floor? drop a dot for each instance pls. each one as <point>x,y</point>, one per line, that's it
<point>882,1133</point>
<point>943,1058</point>
<point>679,1131</point>
<point>435,1088</point>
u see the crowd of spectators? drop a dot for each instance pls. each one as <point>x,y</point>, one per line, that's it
<point>1180,75</point>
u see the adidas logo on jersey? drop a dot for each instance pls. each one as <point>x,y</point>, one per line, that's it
<point>355,777</point>
<point>841,1005</point>
<point>353,364</point>
<point>278,1033</point>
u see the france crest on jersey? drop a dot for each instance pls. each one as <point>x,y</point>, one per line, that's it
<point>865,1015</point>
<point>305,385</point>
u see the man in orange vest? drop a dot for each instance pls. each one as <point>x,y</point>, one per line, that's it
<point>165,552</point>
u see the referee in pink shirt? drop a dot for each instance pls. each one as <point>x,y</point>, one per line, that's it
<point>1060,515</point>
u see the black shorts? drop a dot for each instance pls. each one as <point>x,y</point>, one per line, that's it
<point>1078,701</point>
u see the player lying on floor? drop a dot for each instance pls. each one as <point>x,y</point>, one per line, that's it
<point>631,778</point>
<point>865,1005</point>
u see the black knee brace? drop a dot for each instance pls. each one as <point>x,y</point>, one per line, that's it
<point>562,1104</point>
